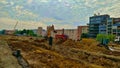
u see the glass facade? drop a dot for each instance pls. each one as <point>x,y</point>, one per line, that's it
<point>97,25</point>
<point>109,25</point>
<point>113,25</point>
<point>103,24</point>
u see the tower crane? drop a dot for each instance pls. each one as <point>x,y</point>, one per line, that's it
<point>15,25</point>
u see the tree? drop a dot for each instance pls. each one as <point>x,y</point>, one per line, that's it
<point>84,35</point>
<point>27,32</point>
<point>100,37</point>
<point>3,32</point>
<point>31,33</point>
<point>24,30</point>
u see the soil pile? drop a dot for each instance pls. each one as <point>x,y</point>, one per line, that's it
<point>69,54</point>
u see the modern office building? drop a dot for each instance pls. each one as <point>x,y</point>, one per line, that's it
<point>109,26</point>
<point>113,26</point>
<point>97,25</point>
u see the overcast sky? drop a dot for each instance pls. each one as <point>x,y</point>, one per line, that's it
<point>62,13</point>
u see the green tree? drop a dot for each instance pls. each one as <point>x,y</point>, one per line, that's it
<point>27,32</point>
<point>84,35</point>
<point>100,37</point>
<point>24,30</point>
<point>31,33</point>
<point>3,32</point>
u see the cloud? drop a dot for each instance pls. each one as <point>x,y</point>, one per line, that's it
<point>59,24</point>
<point>50,20</point>
<point>7,23</point>
<point>59,0</point>
<point>18,8</point>
<point>29,1</point>
<point>112,10</point>
<point>11,3</point>
<point>6,3</point>
<point>3,2</point>
<point>65,26</point>
<point>5,14</point>
<point>62,13</point>
<point>20,11</point>
<point>44,1</point>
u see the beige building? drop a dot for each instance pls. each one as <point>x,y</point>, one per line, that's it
<point>39,31</point>
<point>71,33</point>
<point>9,32</point>
<point>81,30</point>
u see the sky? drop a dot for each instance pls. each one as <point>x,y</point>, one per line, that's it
<point>68,14</point>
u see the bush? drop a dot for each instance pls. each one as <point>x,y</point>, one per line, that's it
<point>100,37</point>
<point>84,35</point>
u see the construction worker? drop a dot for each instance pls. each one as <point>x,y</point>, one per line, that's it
<point>105,43</point>
<point>50,40</point>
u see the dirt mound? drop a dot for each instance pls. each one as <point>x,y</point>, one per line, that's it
<point>39,40</point>
<point>88,45</point>
<point>85,44</point>
<point>69,43</point>
<point>69,54</point>
<point>91,45</point>
<point>39,56</point>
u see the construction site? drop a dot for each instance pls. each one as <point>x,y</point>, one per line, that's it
<point>37,53</point>
<point>59,34</point>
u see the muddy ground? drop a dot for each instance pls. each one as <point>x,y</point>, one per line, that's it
<point>68,54</point>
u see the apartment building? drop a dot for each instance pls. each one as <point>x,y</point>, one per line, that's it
<point>97,25</point>
<point>113,26</point>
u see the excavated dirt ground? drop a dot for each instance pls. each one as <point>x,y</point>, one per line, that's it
<point>69,54</point>
<point>7,60</point>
